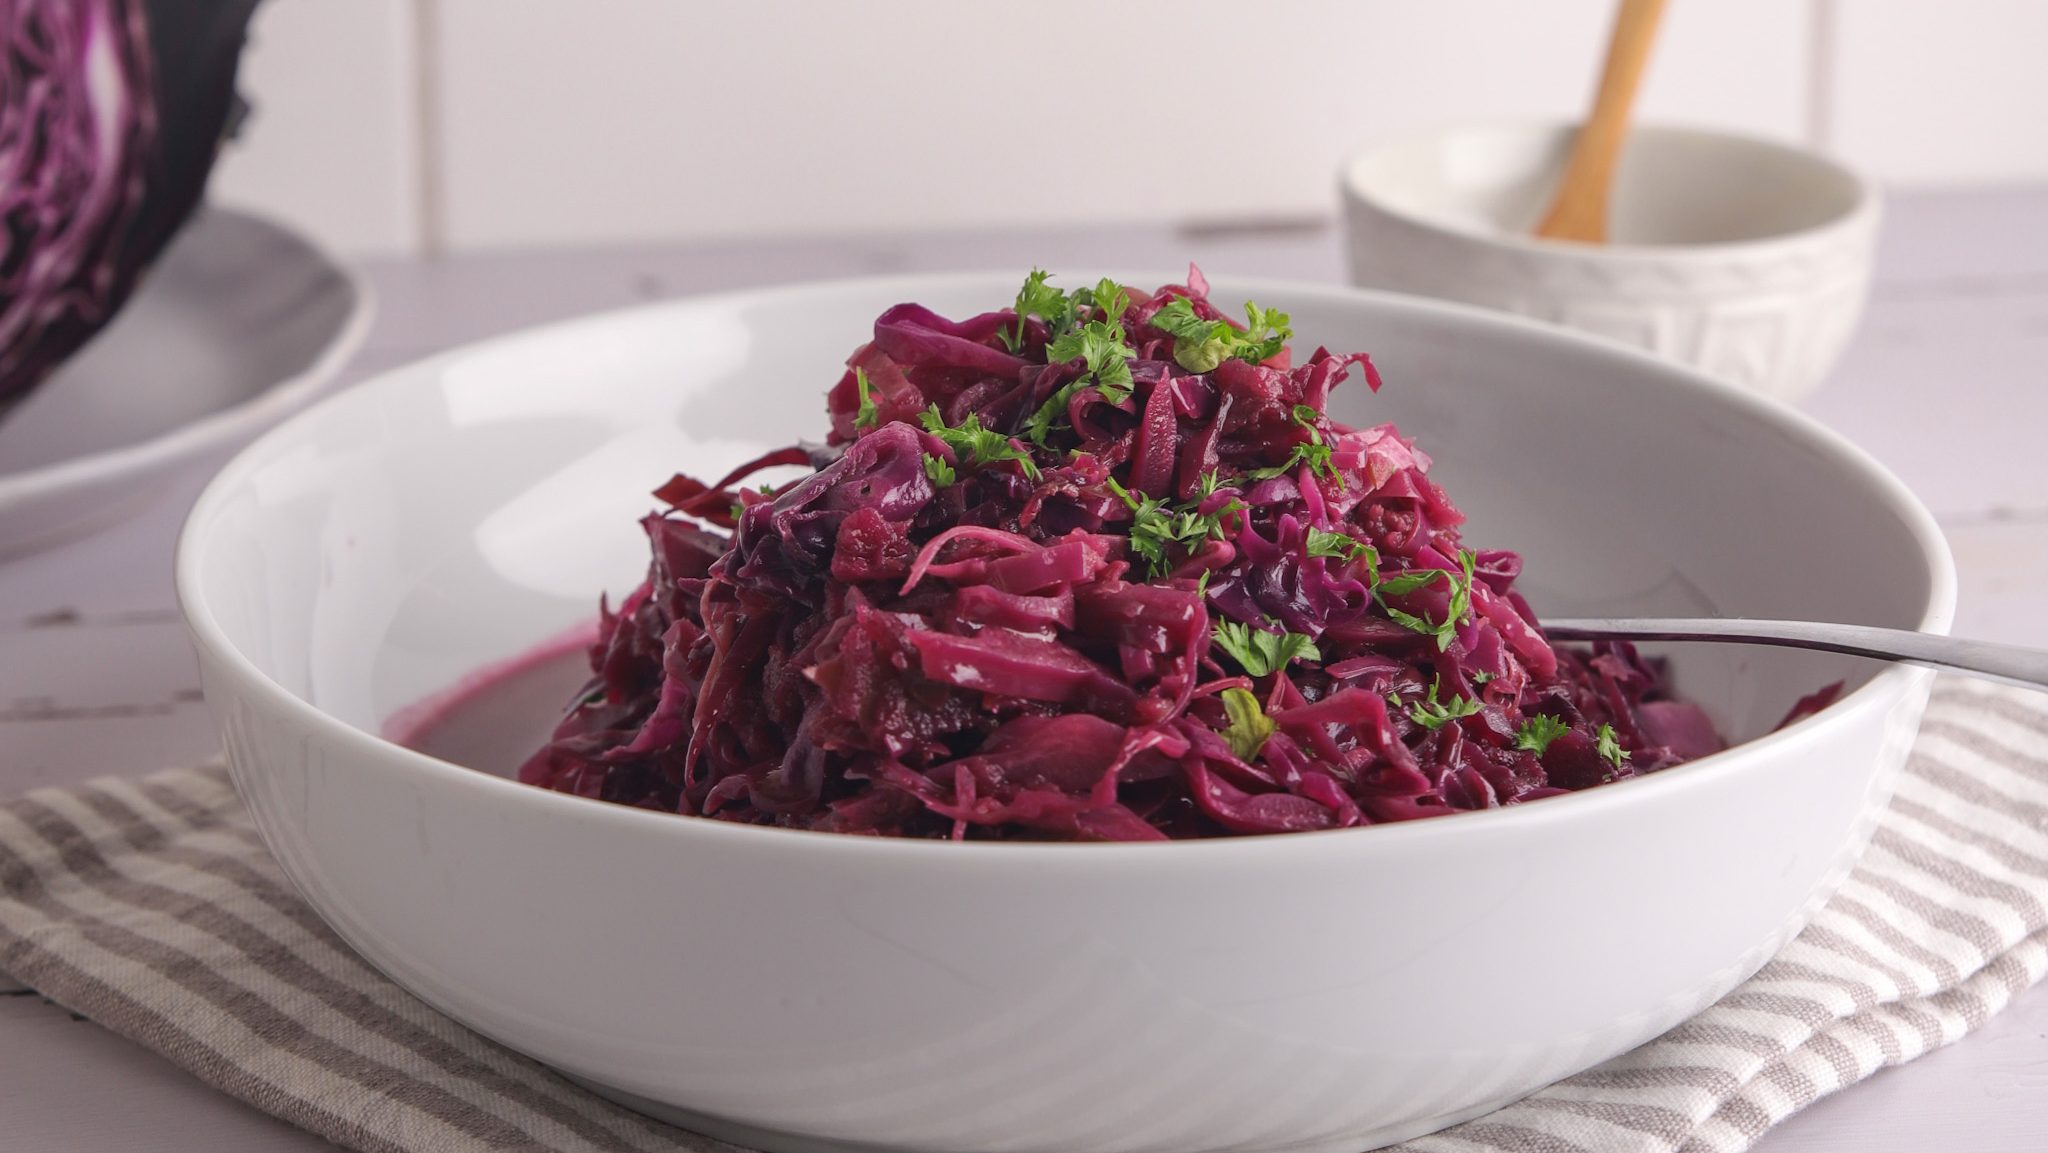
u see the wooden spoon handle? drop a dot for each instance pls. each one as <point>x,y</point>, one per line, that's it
<point>1580,210</point>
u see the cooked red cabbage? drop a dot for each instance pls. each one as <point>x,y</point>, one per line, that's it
<point>1098,566</point>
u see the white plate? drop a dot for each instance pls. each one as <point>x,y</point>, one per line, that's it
<point>240,324</point>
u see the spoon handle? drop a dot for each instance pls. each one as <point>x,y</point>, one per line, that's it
<point>1579,210</point>
<point>2011,664</point>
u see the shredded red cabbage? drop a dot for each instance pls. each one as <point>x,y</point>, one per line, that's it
<point>1096,567</point>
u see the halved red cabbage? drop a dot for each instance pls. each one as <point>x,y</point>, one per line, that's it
<point>110,114</point>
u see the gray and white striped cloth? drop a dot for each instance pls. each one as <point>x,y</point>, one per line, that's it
<point>151,907</point>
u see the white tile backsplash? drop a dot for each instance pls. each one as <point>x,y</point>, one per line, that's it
<point>551,122</point>
<point>331,143</point>
<point>612,120</point>
<point>1941,91</point>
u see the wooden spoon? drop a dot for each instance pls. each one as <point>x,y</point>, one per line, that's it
<point>1580,210</point>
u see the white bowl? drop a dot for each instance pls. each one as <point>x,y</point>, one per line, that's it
<point>1747,259</point>
<point>800,990</point>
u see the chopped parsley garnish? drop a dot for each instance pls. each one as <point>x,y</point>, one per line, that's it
<point>1609,746</point>
<point>1154,526</point>
<point>1315,454</point>
<point>1109,299</point>
<point>1336,544</point>
<point>866,415</point>
<point>1042,300</point>
<point>1099,345</point>
<point>1538,731</point>
<point>974,444</point>
<point>1200,345</point>
<point>1408,582</point>
<point>1401,584</point>
<point>939,471</point>
<point>1260,652</point>
<point>1053,409</point>
<point>1431,715</point>
<point>1249,726</point>
<point>1266,332</point>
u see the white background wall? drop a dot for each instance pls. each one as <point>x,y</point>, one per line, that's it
<point>434,125</point>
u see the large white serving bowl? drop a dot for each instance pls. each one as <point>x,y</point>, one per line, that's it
<point>799,991</point>
<point>1748,259</point>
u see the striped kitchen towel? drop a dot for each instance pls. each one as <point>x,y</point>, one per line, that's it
<point>151,907</point>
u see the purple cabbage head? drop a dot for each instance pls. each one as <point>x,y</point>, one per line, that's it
<point>110,113</point>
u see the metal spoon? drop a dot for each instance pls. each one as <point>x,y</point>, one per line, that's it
<point>2011,664</point>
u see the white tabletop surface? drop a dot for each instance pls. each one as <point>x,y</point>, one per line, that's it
<point>1947,383</point>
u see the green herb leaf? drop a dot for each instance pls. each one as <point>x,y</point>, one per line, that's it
<point>1411,622</point>
<point>1459,608</point>
<point>974,444</point>
<point>1110,299</point>
<point>1401,584</point>
<point>1266,333</point>
<point>1260,652</point>
<point>939,471</point>
<point>1177,319</point>
<point>1315,454</point>
<point>1609,746</point>
<point>1538,731</point>
<point>1249,725</point>
<point>1100,346</point>
<point>1054,408</point>
<point>866,415</point>
<point>1042,300</point>
<point>1461,598</point>
<point>1200,345</point>
<point>1100,343</point>
<point>1155,528</point>
<point>1432,715</point>
<point>1335,544</point>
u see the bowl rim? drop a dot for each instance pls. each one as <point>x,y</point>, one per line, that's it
<point>253,684</point>
<point>1863,211</point>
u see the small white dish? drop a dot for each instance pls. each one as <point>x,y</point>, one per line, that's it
<point>1745,258</point>
<point>802,991</point>
<point>241,322</point>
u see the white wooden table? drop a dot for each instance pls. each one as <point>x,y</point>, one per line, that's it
<point>1947,384</point>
